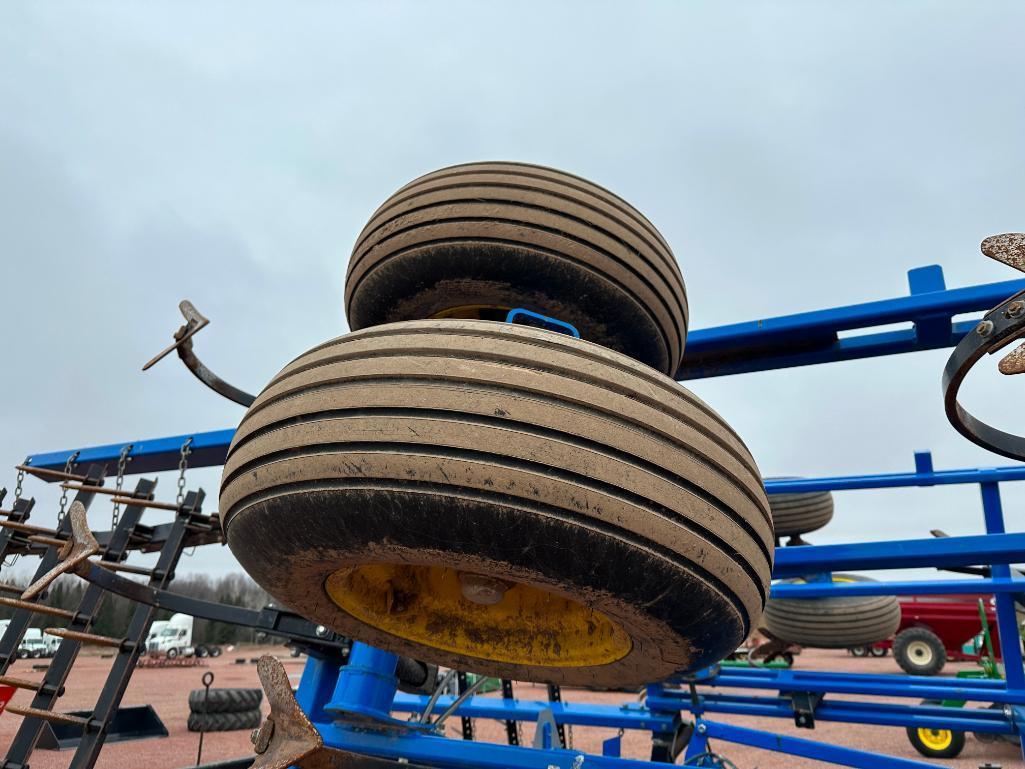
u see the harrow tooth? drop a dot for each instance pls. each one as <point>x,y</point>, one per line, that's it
<point>39,539</point>
<point>74,552</point>
<point>100,490</point>
<point>20,683</point>
<point>87,638</point>
<point>1008,248</point>
<point>145,503</point>
<point>49,715</point>
<point>53,475</point>
<point>28,528</point>
<point>125,567</point>
<point>37,608</point>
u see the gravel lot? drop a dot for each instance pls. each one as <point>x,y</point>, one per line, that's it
<point>167,689</point>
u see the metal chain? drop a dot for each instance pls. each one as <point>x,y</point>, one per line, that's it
<point>64,489</point>
<point>183,465</point>
<point>17,485</point>
<point>122,461</point>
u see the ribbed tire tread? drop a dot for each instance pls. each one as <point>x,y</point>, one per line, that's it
<point>514,234</point>
<point>578,449</point>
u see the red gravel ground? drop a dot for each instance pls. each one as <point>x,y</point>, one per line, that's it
<point>167,690</point>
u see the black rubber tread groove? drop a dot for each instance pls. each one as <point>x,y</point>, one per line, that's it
<point>539,341</point>
<point>517,235</point>
<point>545,174</point>
<point>224,722</point>
<point>224,700</point>
<point>638,383</point>
<point>457,441</point>
<point>835,622</point>
<point>800,513</point>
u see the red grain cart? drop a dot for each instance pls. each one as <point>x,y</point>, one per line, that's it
<point>935,628</point>
<point>6,692</point>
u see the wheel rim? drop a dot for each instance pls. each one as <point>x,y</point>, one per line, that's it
<point>512,623</point>
<point>921,653</point>
<point>936,739</point>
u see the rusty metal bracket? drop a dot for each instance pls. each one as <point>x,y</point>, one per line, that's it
<point>194,322</point>
<point>73,555</point>
<point>1002,325</point>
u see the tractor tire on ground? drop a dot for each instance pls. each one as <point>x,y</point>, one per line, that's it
<point>501,499</point>
<point>796,514</point>
<point>936,743</point>
<point>833,623</point>
<point>224,722</point>
<point>474,241</point>
<point>919,651</point>
<point>224,700</point>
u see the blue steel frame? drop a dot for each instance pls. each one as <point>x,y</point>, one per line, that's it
<point>352,705</point>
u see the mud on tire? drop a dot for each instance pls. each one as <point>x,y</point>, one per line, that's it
<point>475,240</point>
<point>608,527</point>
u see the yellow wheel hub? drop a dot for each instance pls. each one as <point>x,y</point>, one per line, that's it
<point>936,739</point>
<point>474,312</point>
<point>499,621</point>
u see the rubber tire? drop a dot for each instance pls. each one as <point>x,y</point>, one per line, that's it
<point>834,622</point>
<point>878,651</point>
<point>953,750</point>
<point>225,700</point>
<point>519,235</point>
<point>215,651</point>
<point>172,653</point>
<point>225,722</point>
<point>23,654</point>
<point>796,514</point>
<point>201,652</point>
<point>859,651</point>
<point>902,654</point>
<point>517,452</point>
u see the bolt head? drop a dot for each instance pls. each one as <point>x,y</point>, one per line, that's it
<point>1014,309</point>
<point>985,328</point>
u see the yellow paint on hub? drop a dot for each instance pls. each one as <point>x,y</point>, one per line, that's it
<point>528,626</point>
<point>936,739</point>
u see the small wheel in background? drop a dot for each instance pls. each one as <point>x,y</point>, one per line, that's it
<point>797,514</point>
<point>839,622</point>
<point>919,651</point>
<point>878,651</point>
<point>172,653</point>
<point>859,651</point>
<point>936,743</point>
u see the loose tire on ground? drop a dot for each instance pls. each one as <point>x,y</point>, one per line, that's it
<point>835,622</point>
<point>476,240</point>
<point>936,743</point>
<point>919,651</point>
<point>224,722</point>
<point>501,499</point>
<point>224,700</point>
<point>796,514</point>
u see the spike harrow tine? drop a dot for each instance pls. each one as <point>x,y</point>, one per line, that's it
<point>88,638</point>
<point>54,475</point>
<point>37,608</point>
<point>49,715</point>
<point>74,552</point>
<point>101,490</point>
<point>28,528</point>
<point>125,567</point>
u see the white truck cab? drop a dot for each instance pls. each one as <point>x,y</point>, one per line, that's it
<point>172,640</point>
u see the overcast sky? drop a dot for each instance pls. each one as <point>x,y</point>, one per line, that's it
<point>795,155</point>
